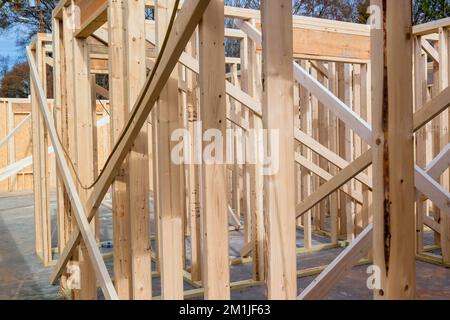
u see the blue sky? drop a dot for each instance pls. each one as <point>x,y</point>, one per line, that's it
<point>8,45</point>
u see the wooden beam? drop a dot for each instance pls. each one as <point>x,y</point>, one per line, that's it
<point>60,112</point>
<point>345,175</point>
<point>251,31</point>
<point>423,116</point>
<point>393,156</point>
<point>84,227</point>
<point>84,128</point>
<point>430,50</point>
<point>183,28</point>
<point>278,81</point>
<point>215,269</point>
<point>345,145</point>
<point>298,21</point>
<point>43,144</point>
<point>433,190</point>
<point>420,95</point>
<point>337,270</point>
<point>431,36</point>
<point>39,247</point>
<point>324,175</point>
<point>102,91</point>
<point>11,144</point>
<point>431,223</point>
<point>247,249</point>
<point>251,60</point>
<point>170,200</point>
<point>320,43</point>
<point>138,179</point>
<point>332,131</point>
<point>234,33</point>
<point>444,72</point>
<point>232,61</point>
<point>58,11</point>
<point>431,109</point>
<point>92,18</point>
<point>232,90</point>
<point>439,164</point>
<point>193,115</point>
<point>332,157</point>
<point>14,130</point>
<point>339,108</point>
<point>101,35</point>
<point>305,122</point>
<point>92,15</point>
<point>320,67</point>
<point>49,61</point>
<point>330,45</point>
<point>430,27</point>
<point>131,189</point>
<point>98,66</point>
<point>68,135</point>
<point>234,221</point>
<point>322,93</point>
<point>366,92</point>
<point>95,142</point>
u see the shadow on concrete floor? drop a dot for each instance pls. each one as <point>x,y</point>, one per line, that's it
<point>22,275</point>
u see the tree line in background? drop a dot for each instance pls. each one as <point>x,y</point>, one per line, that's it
<point>14,82</point>
<point>23,16</point>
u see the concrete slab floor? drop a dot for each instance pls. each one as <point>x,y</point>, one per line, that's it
<point>22,275</point>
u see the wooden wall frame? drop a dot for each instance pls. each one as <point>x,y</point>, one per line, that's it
<point>166,74</point>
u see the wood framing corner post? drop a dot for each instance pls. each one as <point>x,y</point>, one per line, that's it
<point>131,213</point>
<point>138,179</point>
<point>43,161</point>
<point>36,172</point>
<point>278,117</point>
<point>393,185</point>
<point>187,19</point>
<point>444,70</point>
<point>118,112</point>
<point>84,128</point>
<point>215,258</point>
<point>170,200</point>
<point>253,87</point>
<point>60,111</point>
<point>84,227</point>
